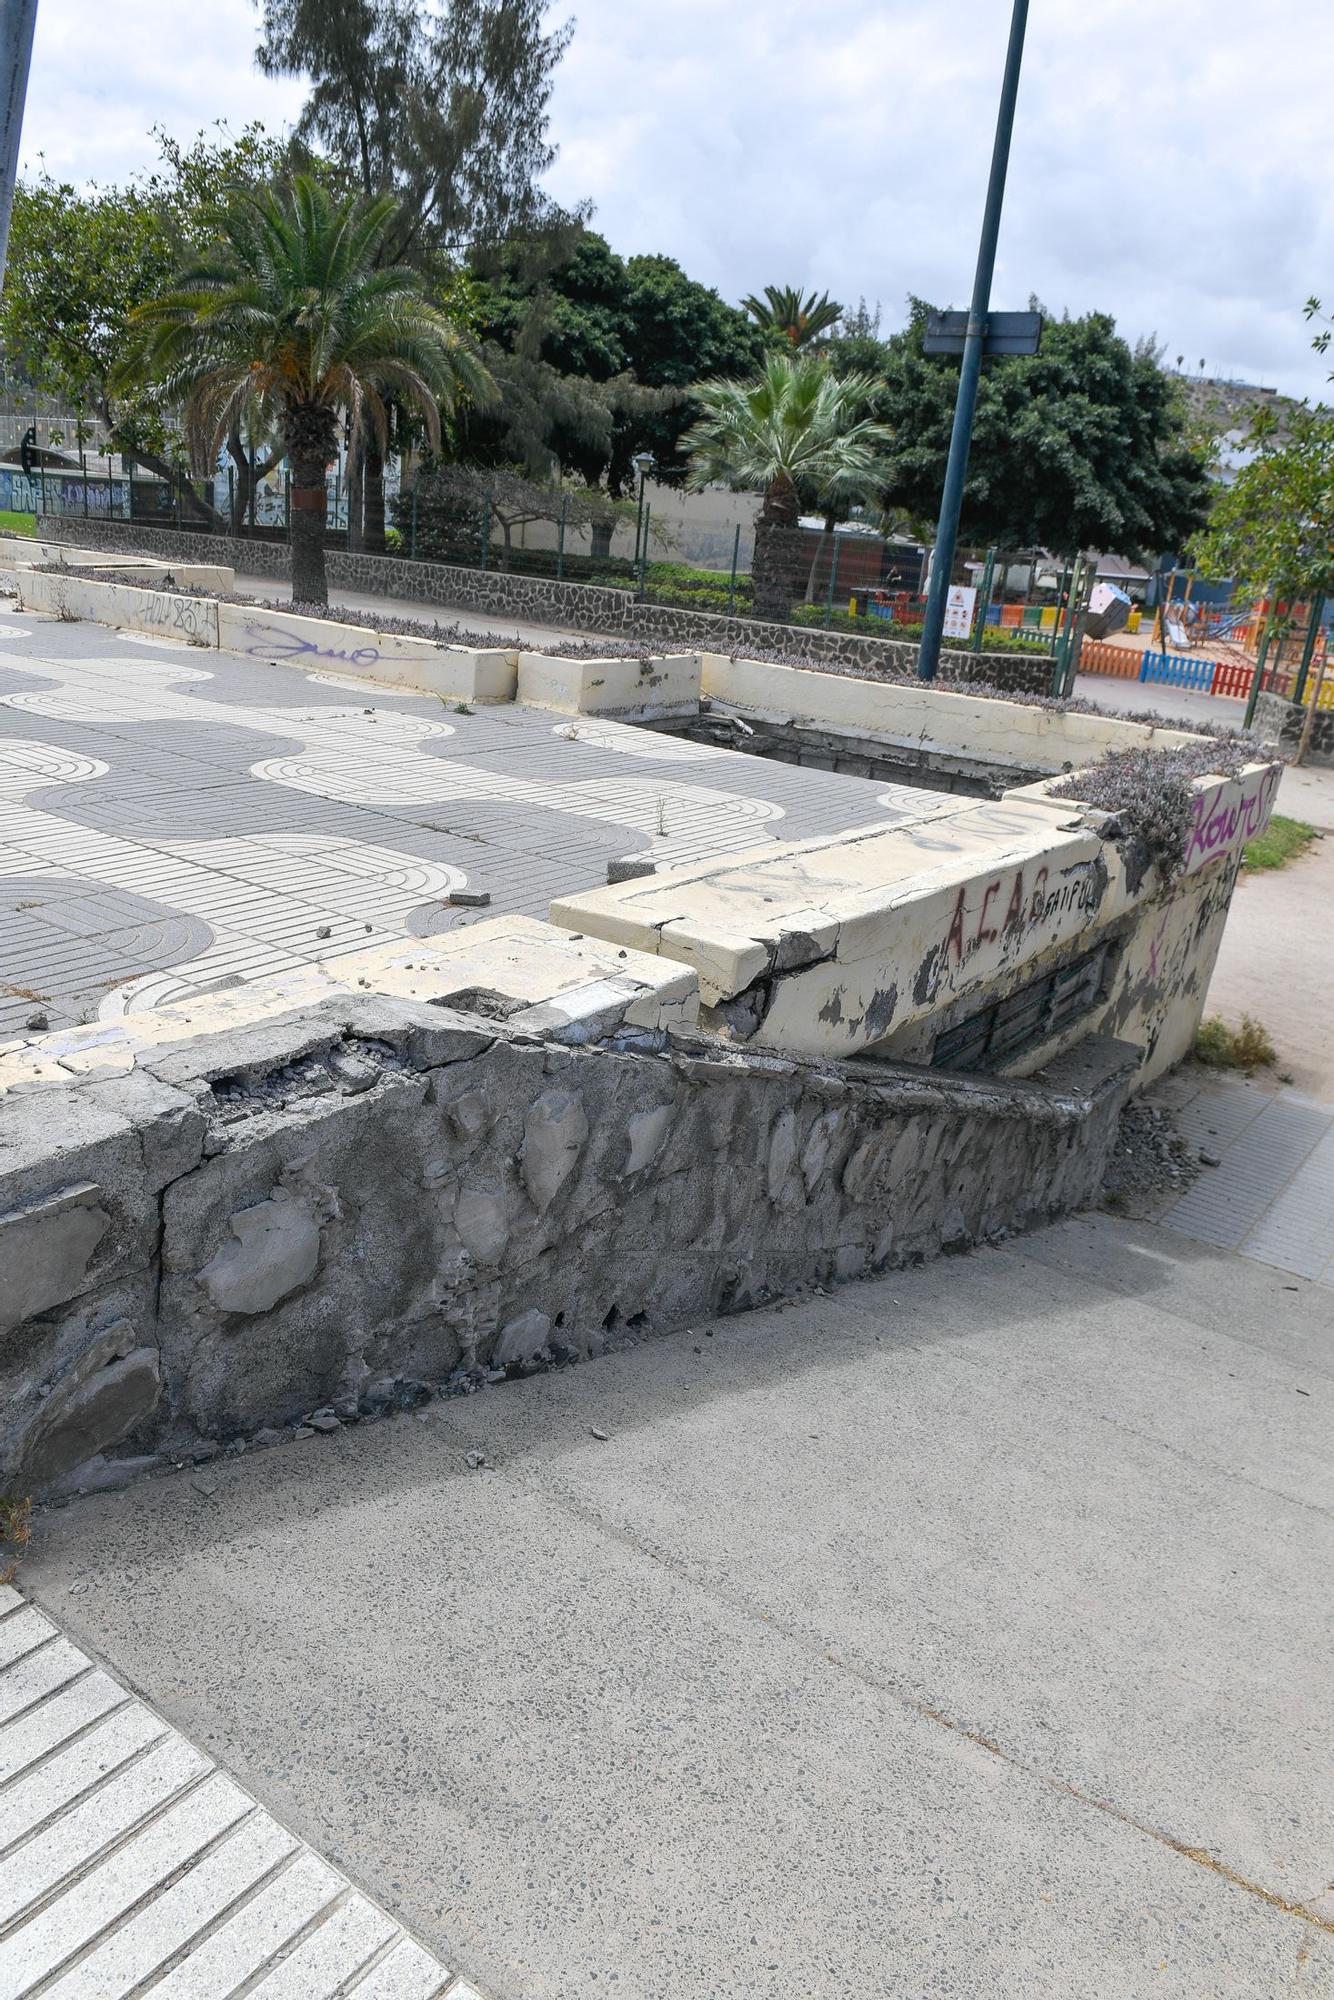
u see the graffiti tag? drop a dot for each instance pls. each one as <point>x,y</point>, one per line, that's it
<point>285,647</point>
<point>186,615</point>
<point>1025,907</point>
<point>1216,826</point>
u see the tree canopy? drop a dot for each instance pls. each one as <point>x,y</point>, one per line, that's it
<point>1272,529</point>
<point>446,109</point>
<point>292,317</point>
<point>784,315</point>
<point>1081,445</point>
<point>596,355</point>
<point>81,261</point>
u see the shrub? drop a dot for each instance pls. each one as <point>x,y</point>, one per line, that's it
<point>1246,1047</point>
<point>998,639</point>
<point>1151,793</point>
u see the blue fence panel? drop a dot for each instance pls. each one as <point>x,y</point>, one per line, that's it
<point>1183,670</point>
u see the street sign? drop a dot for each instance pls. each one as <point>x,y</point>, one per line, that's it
<point>1007,333</point>
<point>960,604</point>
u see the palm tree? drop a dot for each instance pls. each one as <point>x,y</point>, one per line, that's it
<point>797,429</point>
<point>783,311</point>
<point>288,320</point>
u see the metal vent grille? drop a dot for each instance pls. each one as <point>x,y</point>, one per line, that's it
<point>1032,1015</point>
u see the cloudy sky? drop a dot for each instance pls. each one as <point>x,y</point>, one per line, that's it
<point>1171,165</point>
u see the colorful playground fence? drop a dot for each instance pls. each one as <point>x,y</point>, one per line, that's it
<point>1187,670</point>
<point>1097,657</point>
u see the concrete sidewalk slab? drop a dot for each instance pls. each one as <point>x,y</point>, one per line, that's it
<point>951,1634</point>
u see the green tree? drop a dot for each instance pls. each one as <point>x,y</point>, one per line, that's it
<point>81,261</point>
<point>604,351</point>
<point>447,110</point>
<point>1079,446</point>
<point>796,428</point>
<point>1272,530</point>
<point>292,318</point>
<point>783,314</point>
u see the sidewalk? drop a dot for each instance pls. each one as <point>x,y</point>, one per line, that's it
<point>1276,961</point>
<point>500,629</point>
<point>127,1856</point>
<point>951,1633</point>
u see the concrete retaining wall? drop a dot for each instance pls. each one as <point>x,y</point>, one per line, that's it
<point>580,607</point>
<point>361,1203</point>
<point>453,672</point>
<point>625,688</point>
<point>942,723</point>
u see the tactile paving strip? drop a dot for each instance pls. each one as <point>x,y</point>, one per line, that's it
<point>129,1863</point>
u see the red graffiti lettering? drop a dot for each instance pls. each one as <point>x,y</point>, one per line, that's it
<point>954,936</point>
<point>1014,915</point>
<point>986,932</point>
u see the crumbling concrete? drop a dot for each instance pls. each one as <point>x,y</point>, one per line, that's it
<point>215,1244</point>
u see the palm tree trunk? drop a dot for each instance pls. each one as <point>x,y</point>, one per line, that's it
<point>372,538</point>
<point>776,570</point>
<point>306,532</point>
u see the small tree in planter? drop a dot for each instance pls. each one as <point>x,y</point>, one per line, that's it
<point>797,429</point>
<point>289,320</point>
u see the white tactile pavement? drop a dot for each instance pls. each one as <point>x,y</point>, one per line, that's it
<point>1272,1195</point>
<point>131,1865</point>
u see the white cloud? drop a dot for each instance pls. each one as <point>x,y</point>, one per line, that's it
<point>1169,166</point>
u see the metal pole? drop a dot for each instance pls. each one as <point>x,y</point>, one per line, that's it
<point>639,520</point>
<point>560,537</point>
<point>486,530</point>
<point>970,371</point>
<point>1266,634</point>
<point>984,604</point>
<point>731,588</point>
<point>833,578</point>
<point>18,18</point>
<point>415,485</point>
<point>643,555</point>
<point>1308,649</point>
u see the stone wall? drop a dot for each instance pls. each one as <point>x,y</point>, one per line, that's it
<point>1279,722</point>
<point>580,607</point>
<point>350,1207</point>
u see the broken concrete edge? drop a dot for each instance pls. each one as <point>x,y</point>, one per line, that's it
<point>885,936</point>
<point>377,1200</point>
<point>514,968</point>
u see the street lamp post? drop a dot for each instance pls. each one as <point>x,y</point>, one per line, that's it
<point>951,499</point>
<point>18,18</point>
<point>643,463</point>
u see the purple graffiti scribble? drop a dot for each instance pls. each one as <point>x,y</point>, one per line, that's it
<point>1217,827</point>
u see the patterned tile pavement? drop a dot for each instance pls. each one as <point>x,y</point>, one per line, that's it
<point>168,826</point>
<point>1272,1195</point>
<point>129,1860</point>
